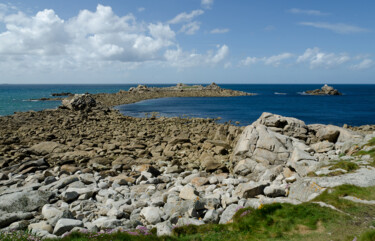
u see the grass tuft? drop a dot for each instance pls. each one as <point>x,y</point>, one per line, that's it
<point>345,165</point>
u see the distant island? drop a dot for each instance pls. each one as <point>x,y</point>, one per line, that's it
<point>325,90</point>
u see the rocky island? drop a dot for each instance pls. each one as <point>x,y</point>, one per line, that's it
<point>142,92</point>
<point>85,167</point>
<point>325,90</point>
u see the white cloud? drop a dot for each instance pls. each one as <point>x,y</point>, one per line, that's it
<point>221,54</point>
<point>97,36</point>
<point>97,40</point>
<point>141,9</point>
<point>249,61</point>
<point>340,28</point>
<point>182,59</point>
<point>364,64</point>
<point>307,12</point>
<point>186,17</point>
<point>276,60</point>
<point>190,28</point>
<point>207,3</point>
<point>219,30</point>
<point>42,34</point>
<point>316,58</point>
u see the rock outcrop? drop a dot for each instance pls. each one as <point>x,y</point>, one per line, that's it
<point>77,102</point>
<point>325,90</point>
<point>65,170</point>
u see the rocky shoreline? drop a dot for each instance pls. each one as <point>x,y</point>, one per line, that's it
<point>87,167</point>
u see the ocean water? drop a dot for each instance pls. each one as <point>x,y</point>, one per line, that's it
<point>355,107</point>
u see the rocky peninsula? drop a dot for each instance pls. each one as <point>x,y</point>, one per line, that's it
<point>325,90</point>
<point>86,167</point>
<point>142,92</point>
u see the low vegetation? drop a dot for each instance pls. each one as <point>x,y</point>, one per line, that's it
<point>307,221</point>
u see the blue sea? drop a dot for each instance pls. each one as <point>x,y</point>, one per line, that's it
<point>355,107</point>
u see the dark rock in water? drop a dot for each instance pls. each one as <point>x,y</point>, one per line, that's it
<point>325,90</point>
<point>79,102</point>
<point>62,94</point>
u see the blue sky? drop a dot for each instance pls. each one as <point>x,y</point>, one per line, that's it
<point>194,41</point>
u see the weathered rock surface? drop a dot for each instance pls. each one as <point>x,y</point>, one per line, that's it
<point>101,170</point>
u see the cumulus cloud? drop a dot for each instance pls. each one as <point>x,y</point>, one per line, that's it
<point>364,64</point>
<point>307,12</point>
<point>90,36</point>
<point>207,3</point>
<point>42,34</point>
<point>97,40</point>
<point>340,28</point>
<point>274,60</point>
<point>219,30</point>
<point>190,28</point>
<point>141,9</point>
<point>184,59</point>
<point>186,17</point>
<point>316,58</point>
<point>249,61</point>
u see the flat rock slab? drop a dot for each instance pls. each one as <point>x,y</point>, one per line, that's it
<point>24,201</point>
<point>358,200</point>
<point>65,225</point>
<point>7,218</point>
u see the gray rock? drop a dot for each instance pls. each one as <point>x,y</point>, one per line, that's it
<point>151,214</point>
<point>228,213</point>
<point>7,218</point>
<point>106,222</point>
<point>245,167</point>
<point>188,193</point>
<point>43,225</point>
<point>79,102</point>
<point>263,145</point>
<point>323,146</point>
<point>63,182</point>
<point>189,221</point>
<point>65,225</point>
<point>69,196</point>
<point>274,191</point>
<point>24,201</point>
<point>288,126</point>
<point>211,216</point>
<point>250,189</point>
<point>164,228</point>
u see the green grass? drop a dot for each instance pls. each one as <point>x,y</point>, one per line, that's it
<point>274,221</point>
<point>306,221</point>
<point>367,236</point>
<point>345,165</point>
<point>371,142</point>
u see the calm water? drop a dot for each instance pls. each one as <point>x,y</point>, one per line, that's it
<point>355,107</point>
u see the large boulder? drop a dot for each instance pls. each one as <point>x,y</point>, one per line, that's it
<point>263,145</point>
<point>288,126</point>
<point>79,102</point>
<point>25,201</point>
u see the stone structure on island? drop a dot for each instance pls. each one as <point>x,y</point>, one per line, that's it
<point>325,90</point>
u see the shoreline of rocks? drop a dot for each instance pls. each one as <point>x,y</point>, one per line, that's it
<point>87,167</point>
